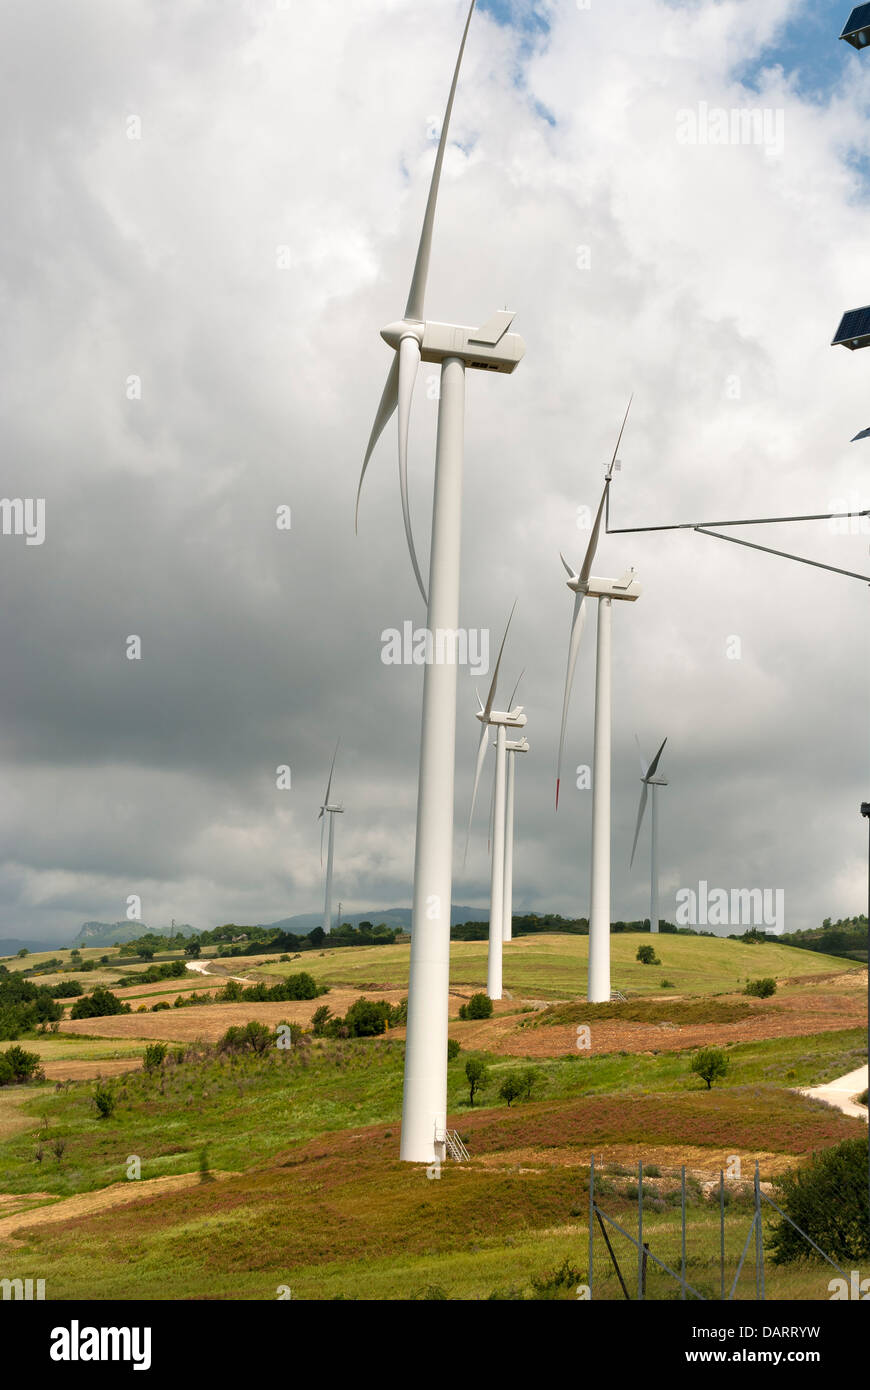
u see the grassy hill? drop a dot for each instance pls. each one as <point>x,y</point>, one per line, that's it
<point>554,966</point>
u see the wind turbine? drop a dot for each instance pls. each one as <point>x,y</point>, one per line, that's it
<point>326,810</point>
<point>490,348</point>
<point>501,721</point>
<point>627,588</point>
<point>649,779</point>
<point>513,746</point>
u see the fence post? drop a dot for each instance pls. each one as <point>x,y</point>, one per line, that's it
<point>722,1234</point>
<point>759,1239</point>
<point>640,1229</point>
<point>683,1247</point>
<point>591,1217</point>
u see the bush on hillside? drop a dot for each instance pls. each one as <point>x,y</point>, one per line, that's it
<point>478,1006</point>
<point>98,1005</point>
<point>761,989</point>
<point>828,1199</point>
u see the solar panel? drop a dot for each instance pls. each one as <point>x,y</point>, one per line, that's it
<point>856,30</point>
<point>854,330</point>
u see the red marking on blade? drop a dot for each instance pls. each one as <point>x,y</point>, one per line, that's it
<point>557,793</point>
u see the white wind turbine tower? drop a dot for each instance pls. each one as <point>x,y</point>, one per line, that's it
<point>490,348</point>
<point>513,746</point>
<point>501,721</point>
<point>331,811</point>
<point>649,778</point>
<point>586,585</point>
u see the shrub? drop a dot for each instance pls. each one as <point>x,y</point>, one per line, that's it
<point>157,1008</point>
<point>647,955</point>
<point>367,1018</point>
<point>453,1049</point>
<point>828,1198</point>
<point>761,989</point>
<point>319,1020</point>
<point>862,1099</point>
<point>67,989</point>
<point>155,1054</point>
<point>98,1005</point>
<point>477,1077</point>
<point>478,1006</point>
<point>710,1063</point>
<point>104,1101</point>
<point>558,1283</point>
<point>19,1066</point>
<point>666,984</point>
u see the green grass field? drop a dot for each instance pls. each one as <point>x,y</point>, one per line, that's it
<point>554,966</point>
<point>310,1192</point>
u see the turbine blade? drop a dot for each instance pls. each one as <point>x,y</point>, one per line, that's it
<point>329,783</point>
<point>596,529</point>
<point>651,771</point>
<point>490,699</point>
<point>586,567</point>
<point>510,704</point>
<point>567,566</point>
<point>417,293</point>
<point>481,756</point>
<point>640,810</point>
<point>619,440</point>
<point>577,624</point>
<point>389,401</point>
<point>409,361</point>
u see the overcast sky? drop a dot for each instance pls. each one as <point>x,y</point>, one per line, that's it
<point>223,200</point>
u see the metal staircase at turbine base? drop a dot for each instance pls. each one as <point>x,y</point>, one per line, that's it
<point>455,1146</point>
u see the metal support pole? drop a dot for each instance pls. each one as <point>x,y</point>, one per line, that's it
<point>722,1234</point>
<point>759,1239</point>
<point>640,1260</point>
<point>591,1219</point>
<point>683,1246</point>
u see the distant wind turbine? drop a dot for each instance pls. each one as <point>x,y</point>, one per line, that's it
<point>501,721</point>
<point>649,779</point>
<point>330,811</point>
<point>605,590</point>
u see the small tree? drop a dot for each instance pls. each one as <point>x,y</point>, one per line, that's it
<point>511,1088</point>
<point>154,1056</point>
<point>647,955</point>
<point>477,1076</point>
<point>104,1101</point>
<point>453,1049</point>
<point>193,949</point>
<point>711,1064</point>
<point>319,1019</point>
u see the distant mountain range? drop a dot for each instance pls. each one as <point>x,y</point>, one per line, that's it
<point>304,922</point>
<point>108,933</point>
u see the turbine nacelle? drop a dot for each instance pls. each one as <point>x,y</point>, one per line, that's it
<point>512,719</point>
<point>626,587</point>
<point>337,810</point>
<point>489,348</point>
<point>517,745</point>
